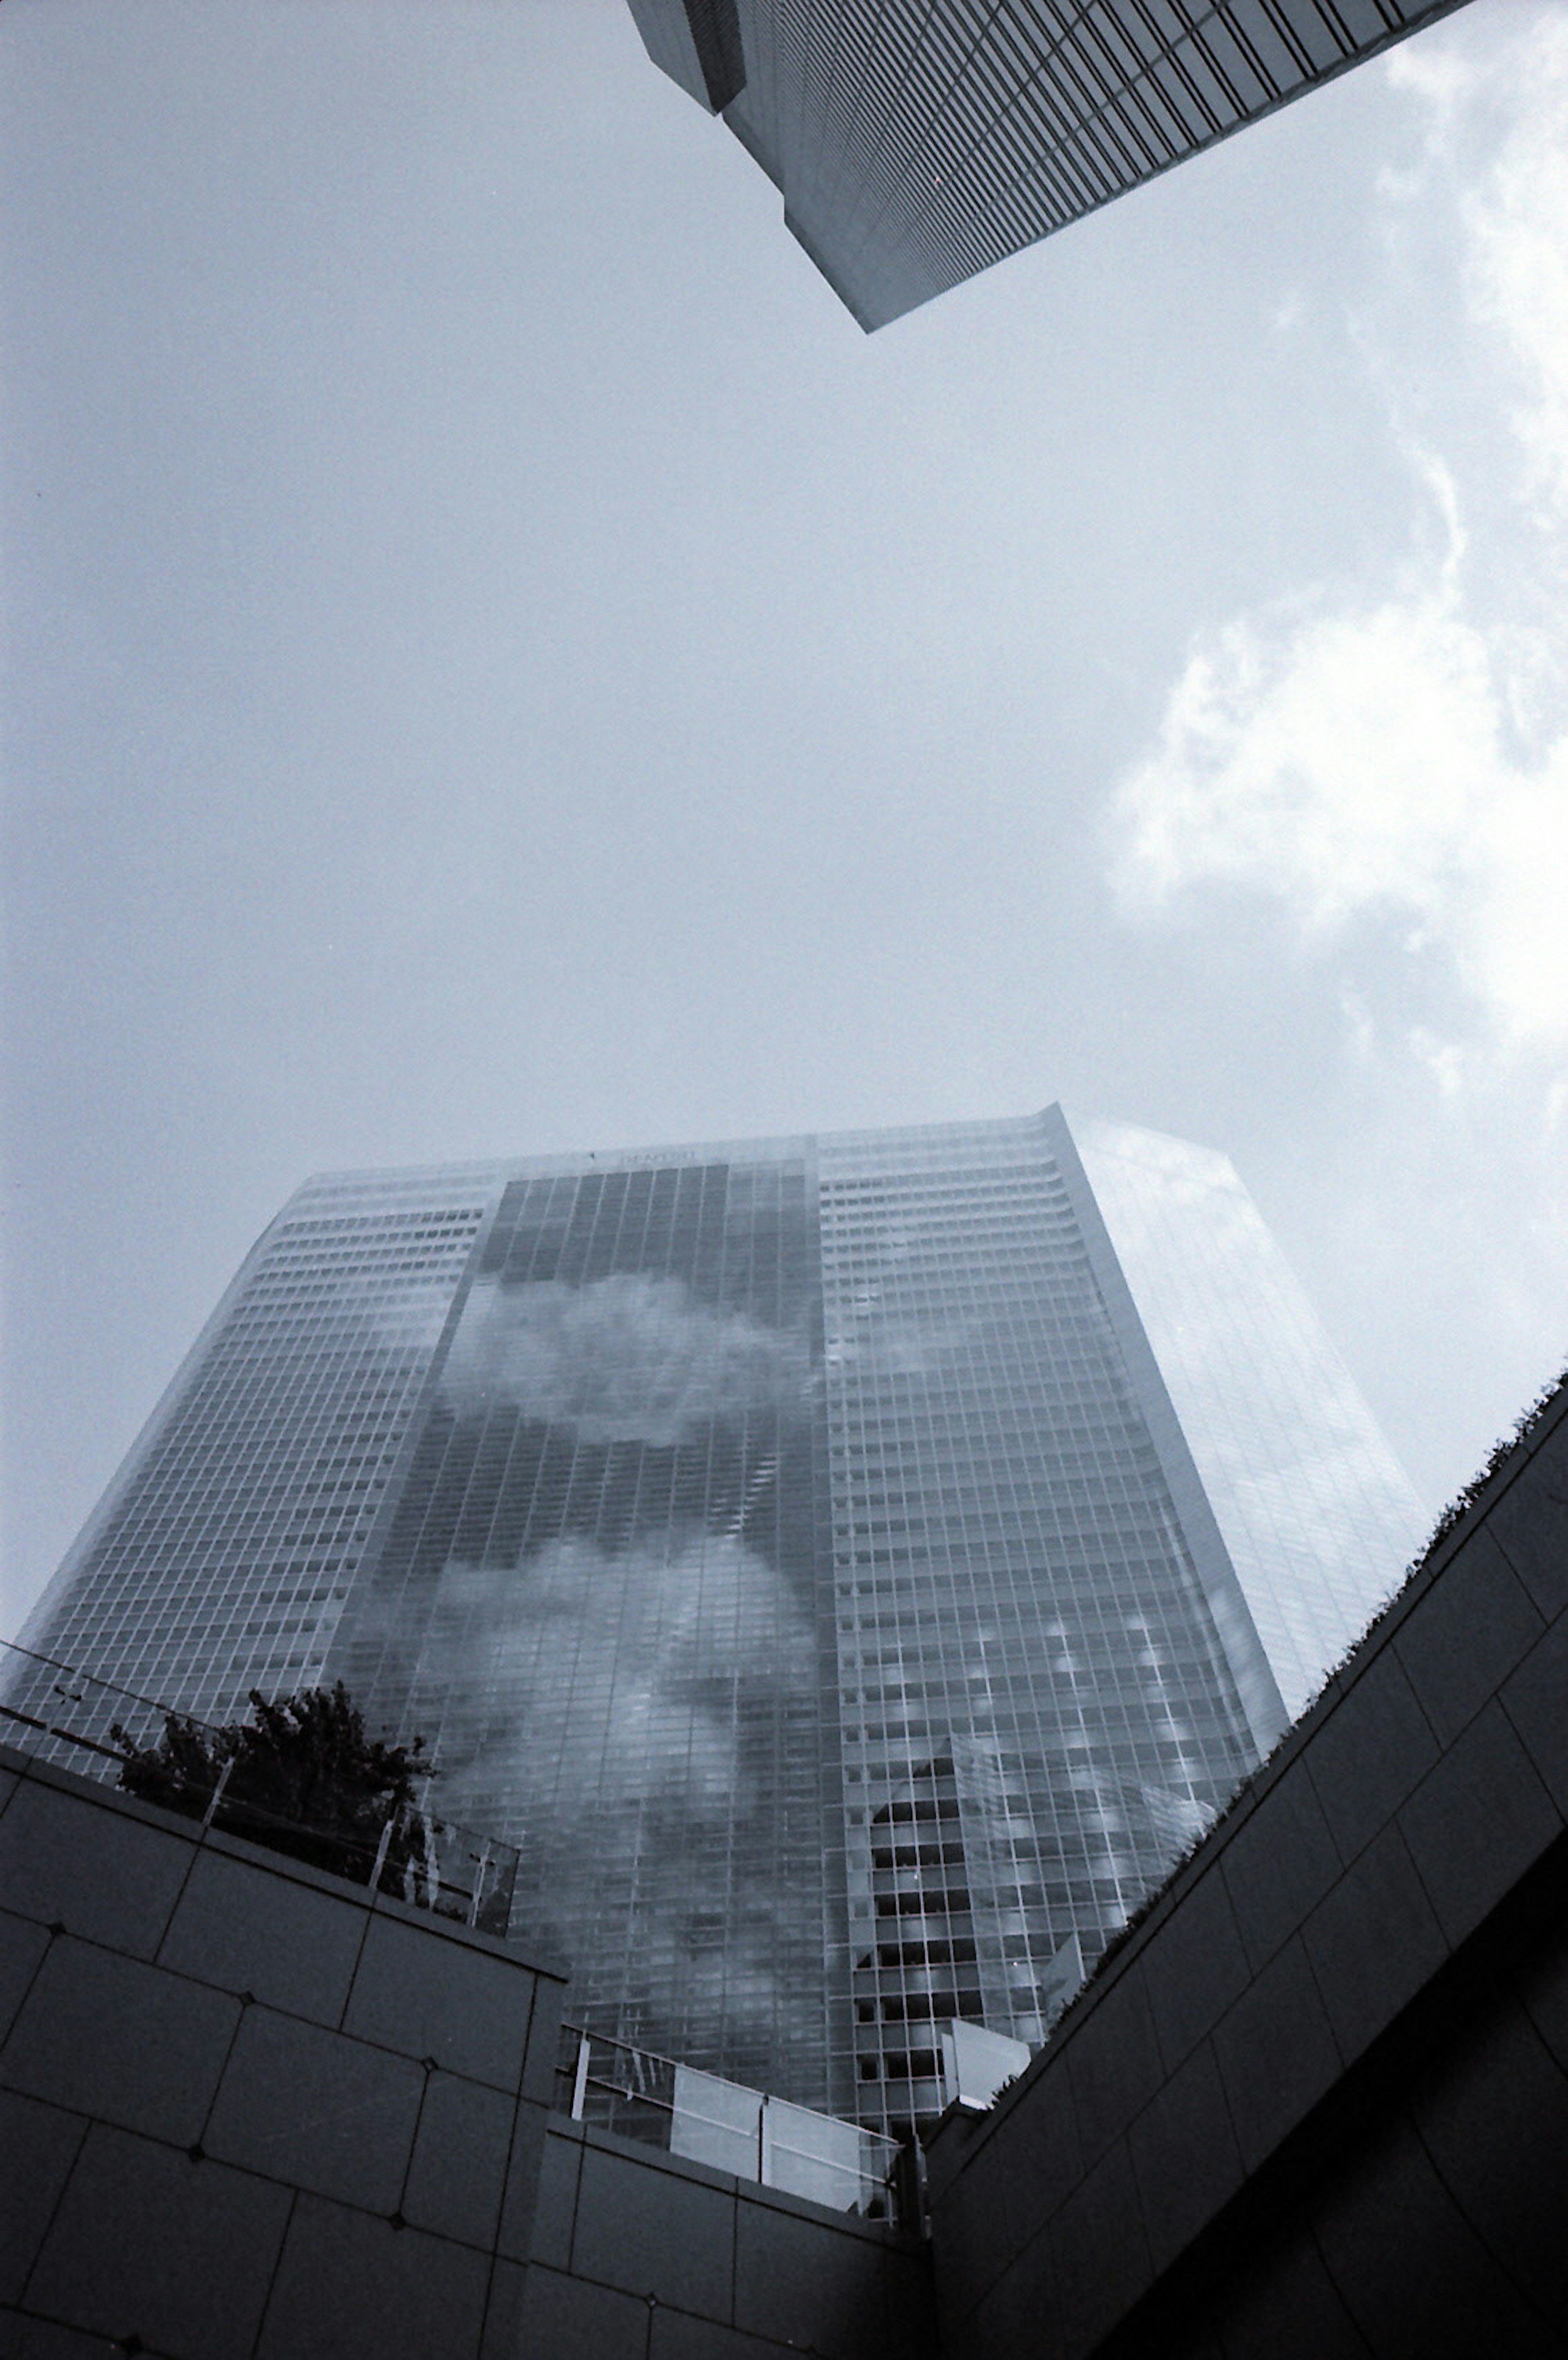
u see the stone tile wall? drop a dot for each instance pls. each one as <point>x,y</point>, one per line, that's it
<point>640,2255</point>
<point>1317,2106</point>
<point>247,2111</point>
<point>1320,2100</point>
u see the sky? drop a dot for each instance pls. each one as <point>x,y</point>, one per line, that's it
<point>496,662</point>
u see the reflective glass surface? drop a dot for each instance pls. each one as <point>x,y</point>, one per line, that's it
<point>793,1548</point>
<point>1038,1709</point>
<point>914,144</point>
<point>598,1597</point>
<point>1317,1515</point>
<point>220,1558</point>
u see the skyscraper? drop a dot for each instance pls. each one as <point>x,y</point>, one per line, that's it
<point>849,1567</point>
<point>913,145</point>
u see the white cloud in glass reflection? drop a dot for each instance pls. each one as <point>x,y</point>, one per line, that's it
<point>628,1703</point>
<point>630,1358</point>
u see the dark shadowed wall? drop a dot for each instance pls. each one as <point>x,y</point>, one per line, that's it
<point>248,2112</point>
<point>1318,2103</point>
<point>248,2108</point>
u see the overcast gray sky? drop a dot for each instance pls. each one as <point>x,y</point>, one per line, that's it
<point>497,662</point>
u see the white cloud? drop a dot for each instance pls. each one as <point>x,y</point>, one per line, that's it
<point>1513,214</point>
<point>1361,761</point>
<point>629,1705</point>
<point>630,1358</point>
<point>1389,758</point>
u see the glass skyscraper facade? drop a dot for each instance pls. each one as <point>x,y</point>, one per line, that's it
<point>848,1567</point>
<point>914,144</point>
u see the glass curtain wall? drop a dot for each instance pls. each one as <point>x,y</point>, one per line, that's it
<point>598,1599</point>
<point>915,145</point>
<point>1037,1705</point>
<point>848,1569</point>
<point>221,1558</point>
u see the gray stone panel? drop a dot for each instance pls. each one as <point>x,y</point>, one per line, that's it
<point>1370,1754</point>
<point>1203,1969</point>
<point>434,1995</point>
<point>350,2284</point>
<point>556,2210</point>
<point>111,2038</point>
<point>1528,1522</point>
<point>1113,2061</point>
<point>1101,2250</point>
<point>1283,2305</point>
<point>249,1929</point>
<point>95,1869</point>
<point>803,2282</point>
<point>911,2311</point>
<point>458,2172</point>
<point>22,1946</point>
<point>1387,2204</point>
<point>1277,2054</point>
<point>178,2156</point>
<point>1478,1822</point>
<point>1374,1944</point>
<point>566,2319</point>
<point>976,2219</point>
<point>320,2110</point>
<point>678,2335</point>
<point>37,2339</point>
<point>1464,1635</point>
<point>515,2237</point>
<point>1493,2121</point>
<point>1020,2316</point>
<point>39,2145</point>
<point>1422,2219</point>
<point>655,2233</point>
<point>1185,2156</point>
<point>1041,2161</point>
<point>502,2337</point>
<point>148,2243</point>
<point>1536,1701</point>
<point>1543,1987</point>
<point>1277,1866</point>
<point>543,2040</point>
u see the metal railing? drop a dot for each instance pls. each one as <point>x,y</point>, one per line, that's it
<point>69,1717</point>
<point>684,2111</point>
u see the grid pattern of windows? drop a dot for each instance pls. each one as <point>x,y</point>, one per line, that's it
<point>1037,1709</point>
<point>221,1558</point>
<point>790,1545</point>
<point>1317,1515</point>
<point>599,1596</point>
<point>917,141</point>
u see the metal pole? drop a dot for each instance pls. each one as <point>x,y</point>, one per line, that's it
<point>479,1893</point>
<point>217,1793</point>
<point>579,2086</point>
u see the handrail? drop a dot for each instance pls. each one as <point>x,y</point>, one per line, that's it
<point>433,1863</point>
<point>686,2111</point>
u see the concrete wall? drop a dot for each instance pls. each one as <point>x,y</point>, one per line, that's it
<point>247,2109</point>
<point>639,2255</point>
<point>249,2112</point>
<point>1318,2103</point>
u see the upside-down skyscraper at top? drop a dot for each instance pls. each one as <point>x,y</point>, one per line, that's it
<point>850,1567</point>
<point>915,142</point>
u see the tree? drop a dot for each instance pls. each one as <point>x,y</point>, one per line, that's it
<point>302,1776</point>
